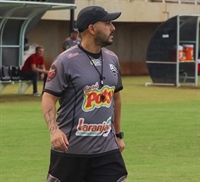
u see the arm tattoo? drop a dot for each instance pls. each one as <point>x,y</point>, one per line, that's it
<point>53,129</point>
<point>50,120</point>
<point>47,114</point>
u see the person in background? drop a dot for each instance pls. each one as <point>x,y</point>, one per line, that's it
<point>34,67</point>
<point>72,40</point>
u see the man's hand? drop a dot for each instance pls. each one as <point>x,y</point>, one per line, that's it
<point>59,140</point>
<point>42,76</point>
<point>121,144</point>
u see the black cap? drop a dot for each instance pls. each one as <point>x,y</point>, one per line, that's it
<point>93,14</point>
<point>74,30</point>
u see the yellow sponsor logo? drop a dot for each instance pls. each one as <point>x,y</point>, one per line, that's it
<point>93,98</point>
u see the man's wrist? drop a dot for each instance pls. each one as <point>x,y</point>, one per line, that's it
<point>120,135</point>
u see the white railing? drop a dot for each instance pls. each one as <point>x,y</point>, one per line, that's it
<point>169,1</point>
<point>163,1</point>
<point>178,1</point>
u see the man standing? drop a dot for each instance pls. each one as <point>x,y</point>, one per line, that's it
<point>85,132</point>
<point>72,40</point>
<point>33,66</point>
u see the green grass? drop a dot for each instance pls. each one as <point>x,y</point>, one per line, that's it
<point>161,126</point>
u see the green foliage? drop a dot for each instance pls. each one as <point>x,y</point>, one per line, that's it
<point>161,126</point>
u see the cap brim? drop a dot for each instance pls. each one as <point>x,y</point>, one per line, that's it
<point>110,16</point>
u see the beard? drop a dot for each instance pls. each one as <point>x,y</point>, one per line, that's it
<point>102,39</point>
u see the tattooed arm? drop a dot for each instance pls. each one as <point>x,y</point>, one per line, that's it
<point>58,138</point>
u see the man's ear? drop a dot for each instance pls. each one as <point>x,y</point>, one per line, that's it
<point>91,29</point>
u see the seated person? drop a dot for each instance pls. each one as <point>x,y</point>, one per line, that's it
<point>33,67</point>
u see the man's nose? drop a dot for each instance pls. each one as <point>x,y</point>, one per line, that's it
<point>112,27</point>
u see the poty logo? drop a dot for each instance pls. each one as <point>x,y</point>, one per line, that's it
<point>84,129</point>
<point>92,98</point>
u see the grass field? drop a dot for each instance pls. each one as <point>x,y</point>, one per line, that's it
<point>161,126</point>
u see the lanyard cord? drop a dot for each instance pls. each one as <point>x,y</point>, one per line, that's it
<point>102,97</point>
<point>100,74</point>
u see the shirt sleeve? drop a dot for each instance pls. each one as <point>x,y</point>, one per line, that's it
<point>65,44</point>
<point>57,80</point>
<point>119,83</point>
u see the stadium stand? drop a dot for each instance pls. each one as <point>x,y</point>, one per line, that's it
<point>17,18</point>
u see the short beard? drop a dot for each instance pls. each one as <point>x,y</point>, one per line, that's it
<point>102,40</point>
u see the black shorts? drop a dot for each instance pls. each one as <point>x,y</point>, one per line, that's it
<point>107,168</point>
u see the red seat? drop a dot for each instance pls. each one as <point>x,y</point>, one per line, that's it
<point>199,68</point>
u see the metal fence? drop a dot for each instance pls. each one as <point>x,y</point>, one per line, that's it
<point>178,1</point>
<point>169,1</point>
